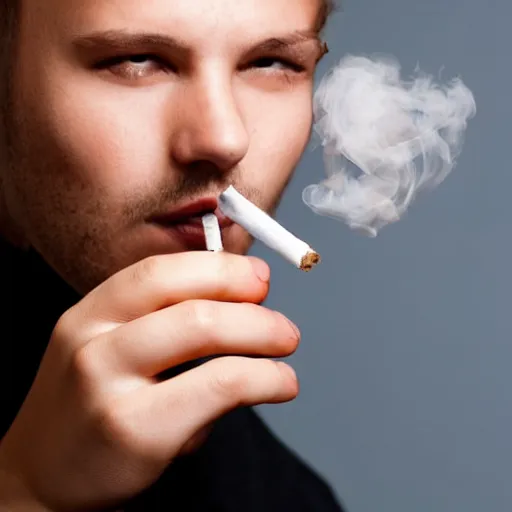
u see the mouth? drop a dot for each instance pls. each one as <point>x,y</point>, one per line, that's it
<point>185,222</point>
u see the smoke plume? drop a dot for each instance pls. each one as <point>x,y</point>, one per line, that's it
<point>384,139</point>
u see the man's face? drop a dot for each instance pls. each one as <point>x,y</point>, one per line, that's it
<point>123,109</point>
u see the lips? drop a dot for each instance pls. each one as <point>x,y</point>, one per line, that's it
<point>191,214</point>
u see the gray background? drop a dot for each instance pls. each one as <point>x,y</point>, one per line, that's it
<point>406,356</point>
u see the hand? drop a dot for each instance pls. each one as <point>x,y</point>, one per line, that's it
<point>98,425</point>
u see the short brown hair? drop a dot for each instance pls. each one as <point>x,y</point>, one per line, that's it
<point>9,18</point>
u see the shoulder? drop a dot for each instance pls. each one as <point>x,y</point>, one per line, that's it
<point>281,473</point>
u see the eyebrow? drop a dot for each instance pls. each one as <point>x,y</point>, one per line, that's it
<point>132,41</point>
<point>297,37</point>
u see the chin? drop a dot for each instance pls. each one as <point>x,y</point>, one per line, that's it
<point>237,241</point>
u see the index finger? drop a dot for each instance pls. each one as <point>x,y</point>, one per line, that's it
<point>163,280</point>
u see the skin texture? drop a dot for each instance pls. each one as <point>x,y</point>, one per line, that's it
<point>96,152</point>
<point>97,146</point>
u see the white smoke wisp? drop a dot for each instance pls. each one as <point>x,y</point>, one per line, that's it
<point>384,139</point>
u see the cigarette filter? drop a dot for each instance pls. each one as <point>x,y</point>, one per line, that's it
<point>212,233</point>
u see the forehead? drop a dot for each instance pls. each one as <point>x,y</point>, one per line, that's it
<point>200,21</point>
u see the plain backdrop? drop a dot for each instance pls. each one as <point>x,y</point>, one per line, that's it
<point>405,362</point>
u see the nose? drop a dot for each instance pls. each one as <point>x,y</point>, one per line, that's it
<point>209,126</point>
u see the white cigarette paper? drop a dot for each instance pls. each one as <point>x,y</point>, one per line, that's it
<point>267,230</point>
<point>212,233</point>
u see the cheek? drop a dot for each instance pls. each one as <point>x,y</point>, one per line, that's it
<point>111,140</point>
<point>280,134</point>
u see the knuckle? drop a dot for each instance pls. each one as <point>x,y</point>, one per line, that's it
<point>223,271</point>
<point>203,314</point>
<point>115,427</point>
<point>231,380</point>
<point>147,269</point>
<point>119,427</point>
<point>202,321</point>
<point>82,365</point>
<point>64,328</point>
<point>84,371</point>
<point>116,422</point>
<point>271,370</point>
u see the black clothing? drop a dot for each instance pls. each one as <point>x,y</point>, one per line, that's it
<point>241,468</point>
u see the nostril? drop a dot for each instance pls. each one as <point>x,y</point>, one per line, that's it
<point>214,140</point>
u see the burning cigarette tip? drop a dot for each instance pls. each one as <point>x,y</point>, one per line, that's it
<point>310,260</point>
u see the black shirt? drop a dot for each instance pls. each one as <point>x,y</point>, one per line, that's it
<point>242,467</point>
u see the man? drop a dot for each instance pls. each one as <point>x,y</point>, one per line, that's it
<point>127,358</point>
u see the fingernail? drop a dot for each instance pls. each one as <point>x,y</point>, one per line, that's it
<point>294,328</point>
<point>261,269</point>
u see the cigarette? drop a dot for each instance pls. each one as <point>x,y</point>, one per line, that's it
<point>263,227</point>
<point>212,233</point>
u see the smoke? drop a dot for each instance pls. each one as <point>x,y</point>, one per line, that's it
<point>384,139</point>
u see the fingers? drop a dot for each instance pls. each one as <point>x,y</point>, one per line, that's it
<point>190,402</point>
<point>191,330</point>
<point>161,281</point>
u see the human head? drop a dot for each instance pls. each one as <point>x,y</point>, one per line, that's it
<point>96,145</point>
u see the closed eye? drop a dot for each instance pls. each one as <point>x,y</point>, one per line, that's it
<point>277,63</point>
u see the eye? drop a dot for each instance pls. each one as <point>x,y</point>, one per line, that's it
<point>134,67</point>
<point>278,64</point>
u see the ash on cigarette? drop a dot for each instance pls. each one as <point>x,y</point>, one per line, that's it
<point>310,260</point>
